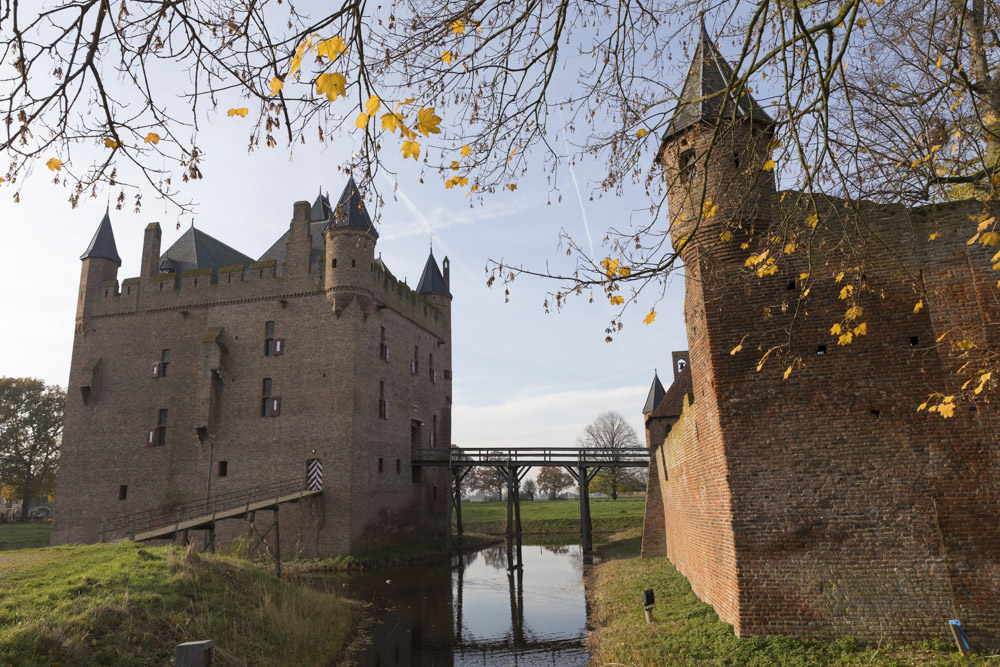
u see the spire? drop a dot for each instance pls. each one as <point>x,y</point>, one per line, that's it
<point>321,208</point>
<point>656,394</point>
<point>103,243</point>
<point>704,91</point>
<point>351,211</point>
<point>431,280</point>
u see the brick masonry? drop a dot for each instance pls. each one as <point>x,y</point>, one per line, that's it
<point>330,317</point>
<point>825,505</point>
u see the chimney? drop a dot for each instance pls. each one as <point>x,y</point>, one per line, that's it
<point>298,247</point>
<point>151,250</point>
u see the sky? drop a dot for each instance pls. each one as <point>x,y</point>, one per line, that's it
<point>521,377</point>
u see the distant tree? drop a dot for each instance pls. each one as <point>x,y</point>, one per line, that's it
<point>552,480</point>
<point>489,480</point>
<point>611,434</point>
<point>31,419</point>
<point>529,489</point>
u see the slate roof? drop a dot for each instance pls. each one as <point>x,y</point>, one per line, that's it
<point>351,211</point>
<point>431,280</point>
<point>103,243</point>
<point>321,208</point>
<point>656,393</point>
<point>673,401</point>
<point>704,91</point>
<point>197,250</point>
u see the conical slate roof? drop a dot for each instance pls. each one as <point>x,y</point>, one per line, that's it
<point>197,250</point>
<point>704,92</point>
<point>321,208</point>
<point>431,280</point>
<point>103,243</point>
<point>656,394</point>
<point>350,210</point>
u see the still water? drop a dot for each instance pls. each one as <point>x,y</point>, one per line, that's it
<point>473,610</point>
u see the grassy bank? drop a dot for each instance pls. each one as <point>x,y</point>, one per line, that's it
<point>686,631</point>
<point>28,535</point>
<point>554,516</point>
<point>108,605</point>
<point>411,552</point>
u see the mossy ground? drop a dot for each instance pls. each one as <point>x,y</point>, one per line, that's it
<point>686,631</point>
<point>554,516</point>
<point>108,605</point>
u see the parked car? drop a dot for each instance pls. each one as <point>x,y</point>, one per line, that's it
<point>41,513</point>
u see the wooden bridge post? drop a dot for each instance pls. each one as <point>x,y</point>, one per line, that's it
<point>277,544</point>
<point>451,498</point>
<point>458,501</point>
<point>510,501</point>
<point>585,525</point>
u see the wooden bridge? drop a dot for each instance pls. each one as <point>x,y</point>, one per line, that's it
<point>583,463</point>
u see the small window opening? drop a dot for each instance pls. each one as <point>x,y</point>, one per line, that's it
<point>383,349</point>
<point>434,428</point>
<point>876,414</point>
<point>164,363</point>
<point>333,263</point>
<point>435,492</point>
<point>688,166</point>
<point>352,262</point>
<point>161,429</point>
<point>161,285</point>
<point>414,363</point>
<point>223,468</point>
<point>736,160</point>
<point>914,341</point>
<point>195,282</point>
<point>269,339</point>
<point>399,466</point>
<point>265,399</point>
<point>791,285</point>
<point>381,464</point>
<point>821,350</point>
<point>382,409</point>
<point>123,492</point>
<point>415,474</point>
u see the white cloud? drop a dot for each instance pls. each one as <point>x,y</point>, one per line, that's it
<point>544,420</point>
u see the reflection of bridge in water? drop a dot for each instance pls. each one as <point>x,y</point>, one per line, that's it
<point>583,463</point>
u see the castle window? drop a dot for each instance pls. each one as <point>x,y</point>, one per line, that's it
<point>381,463</point>
<point>352,262</point>
<point>158,436</point>
<point>382,408</point>
<point>821,350</point>
<point>223,468</point>
<point>435,492</point>
<point>431,372</point>
<point>333,263</point>
<point>272,346</point>
<point>123,492</point>
<point>447,375</point>
<point>434,428</point>
<point>914,341</point>
<point>164,363</point>
<point>688,166</point>
<point>399,466</point>
<point>415,474</point>
<point>270,406</point>
<point>383,349</point>
<point>414,364</point>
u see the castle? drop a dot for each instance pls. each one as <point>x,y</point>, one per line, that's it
<point>801,492</point>
<point>211,373</point>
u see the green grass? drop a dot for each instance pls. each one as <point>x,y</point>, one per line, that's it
<point>554,516</point>
<point>686,631</point>
<point>24,535</point>
<point>411,552</point>
<point>107,605</point>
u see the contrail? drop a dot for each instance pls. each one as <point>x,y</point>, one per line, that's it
<point>576,185</point>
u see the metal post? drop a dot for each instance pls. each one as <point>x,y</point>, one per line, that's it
<point>277,544</point>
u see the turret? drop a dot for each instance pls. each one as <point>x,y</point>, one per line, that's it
<point>435,287</point>
<point>151,250</point>
<point>713,152</point>
<point>100,265</point>
<point>656,394</point>
<point>350,242</point>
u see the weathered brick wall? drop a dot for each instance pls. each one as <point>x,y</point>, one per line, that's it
<point>328,380</point>
<point>654,539</point>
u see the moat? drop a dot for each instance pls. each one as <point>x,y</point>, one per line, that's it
<point>473,610</point>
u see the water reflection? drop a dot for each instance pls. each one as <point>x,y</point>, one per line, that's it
<point>484,608</point>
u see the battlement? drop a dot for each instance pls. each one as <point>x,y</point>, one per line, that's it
<point>400,297</point>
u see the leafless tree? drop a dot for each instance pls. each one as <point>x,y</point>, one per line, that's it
<point>611,434</point>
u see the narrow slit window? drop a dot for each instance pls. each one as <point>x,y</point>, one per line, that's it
<point>123,492</point>
<point>382,409</point>
<point>223,468</point>
<point>381,464</point>
<point>164,363</point>
<point>161,429</point>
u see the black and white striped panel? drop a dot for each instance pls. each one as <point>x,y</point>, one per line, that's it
<point>314,475</point>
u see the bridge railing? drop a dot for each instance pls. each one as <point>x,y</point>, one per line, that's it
<point>556,456</point>
<point>159,517</point>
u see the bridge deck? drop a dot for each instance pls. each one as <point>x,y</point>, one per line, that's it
<point>207,520</point>
<point>588,457</point>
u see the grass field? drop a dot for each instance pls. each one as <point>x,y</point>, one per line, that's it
<point>554,516</point>
<point>686,631</point>
<point>24,535</point>
<point>108,605</point>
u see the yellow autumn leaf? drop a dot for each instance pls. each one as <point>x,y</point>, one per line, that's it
<point>768,166</point>
<point>983,379</point>
<point>939,60</point>
<point>922,406</point>
<point>846,292</point>
<point>804,275</point>
<point>726,236</point>
<point>744,246</point>
<point>152,138</point>
<point>790,247</point>
<point>331,84</point>
<point>391,121</point>
<point>812,220</point>
<point>617,300</point>
<point>788,371</point>
<point>456,180</point>
<point>861,329</point>
<point>920,306</point>
<point>111,143</point>
<point>362,120</point>
<point>836,330</point>
<point>411,149</point>
<point>965,344</point>
<point>276,85</point>
<point>455,165</point>
<point>624,271</point>
<point>854,312</point>
<point>861,22</point>
<point>446,57</point>
<point>649,318</point>
<point>373,105</point>
<point>708,209</point>
<point>769,268</point>
<point>458,27</point>
<point>466,150</point>
<point>427,122</point>
<point>989,238</point>
<point>241,112</point>
<point>512,186</point>
<point>54,164</point>
<point>736,349</point>
<point>641,132</point>
<point>934,236</point>
<point>838,277</point>
<point>331,48</point>
<point>845,338</point>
